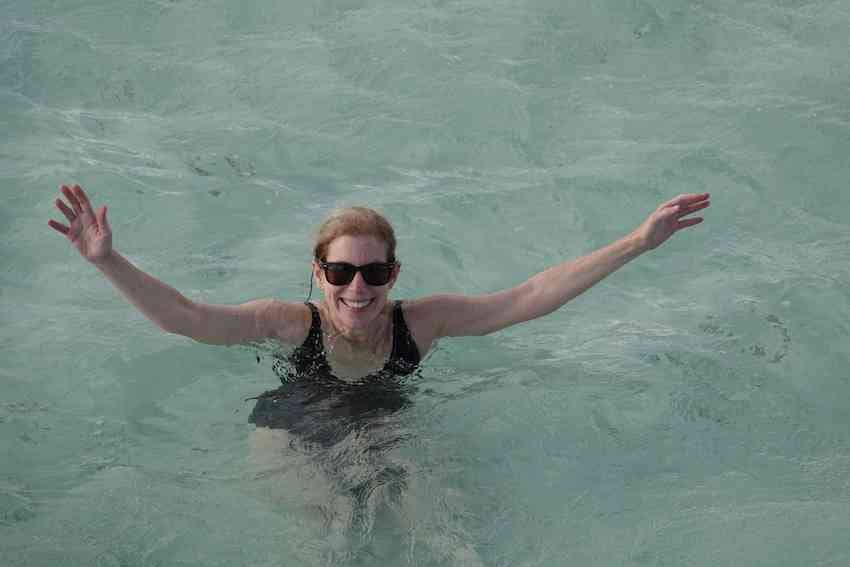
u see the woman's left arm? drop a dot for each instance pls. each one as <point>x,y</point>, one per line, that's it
<point>450,315</point>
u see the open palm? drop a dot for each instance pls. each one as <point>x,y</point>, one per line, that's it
<point>88,230</point>
<point>669,218</point>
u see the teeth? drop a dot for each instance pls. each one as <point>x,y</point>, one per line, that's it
<point>357,304</point>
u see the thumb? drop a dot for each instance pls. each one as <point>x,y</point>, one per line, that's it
<point>101,219</point>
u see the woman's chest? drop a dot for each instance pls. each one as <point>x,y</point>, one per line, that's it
<point>349,362</point>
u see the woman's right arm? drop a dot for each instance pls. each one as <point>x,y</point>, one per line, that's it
<point>172,312</point>
<point>89,232</point>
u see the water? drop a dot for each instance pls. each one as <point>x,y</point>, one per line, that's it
<point>690,410</point>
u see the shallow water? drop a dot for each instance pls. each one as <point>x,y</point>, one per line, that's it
<point>690,410</point>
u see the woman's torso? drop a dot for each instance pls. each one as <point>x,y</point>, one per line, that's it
<point>322,354</point>
<point>313,398</point>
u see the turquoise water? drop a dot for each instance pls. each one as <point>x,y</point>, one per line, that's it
<point>692,409</point>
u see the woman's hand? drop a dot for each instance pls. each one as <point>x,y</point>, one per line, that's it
<point>668,218</point>
<point>88,230</point>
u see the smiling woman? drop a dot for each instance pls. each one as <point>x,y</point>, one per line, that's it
<point>356,334</point>
<point>344,398</point>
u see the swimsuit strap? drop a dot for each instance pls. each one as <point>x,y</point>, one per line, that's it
<point>309,357</point>
<point>405,355</point>
<point>314,338</point>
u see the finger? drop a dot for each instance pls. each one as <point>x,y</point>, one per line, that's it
<point>686,199</point>
<point>688,222</point>
<point>72,199</point>
<point>673,202</point>
<point>66,210</point>
<point>101,220</point>
<point>84,201</point>
<point>693,198</point>
<point>58,227</point>
<point>693,208</point>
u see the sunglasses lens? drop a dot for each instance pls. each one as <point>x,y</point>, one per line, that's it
<point>339,274</point>
<point>376,274</point>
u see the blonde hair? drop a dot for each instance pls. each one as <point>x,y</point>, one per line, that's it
<point>354,221</point>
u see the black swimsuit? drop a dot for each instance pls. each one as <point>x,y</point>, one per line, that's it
<point>311,396</point>
<point>309,359</point>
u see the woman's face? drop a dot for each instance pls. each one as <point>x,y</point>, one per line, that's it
<point>353,306</point>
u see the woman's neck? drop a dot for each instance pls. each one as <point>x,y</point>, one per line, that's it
<point>370,339</point>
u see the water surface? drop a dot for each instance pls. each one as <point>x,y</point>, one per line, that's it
<point>690,410</point>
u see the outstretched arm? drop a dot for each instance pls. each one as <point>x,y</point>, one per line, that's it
<point>89,231</point>
<point>458,315</point>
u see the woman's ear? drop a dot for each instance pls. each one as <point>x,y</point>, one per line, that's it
<point>394,276</point>
<point>317,273</point>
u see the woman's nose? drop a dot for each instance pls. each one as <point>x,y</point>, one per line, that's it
<point>358,281</point>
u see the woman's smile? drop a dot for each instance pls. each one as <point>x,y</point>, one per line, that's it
<point>356,304</point>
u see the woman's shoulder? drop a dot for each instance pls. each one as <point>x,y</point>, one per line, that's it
<point>429,307</point>
<point>422,316</point>
<point>289,322</point>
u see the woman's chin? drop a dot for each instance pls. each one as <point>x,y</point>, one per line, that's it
<point>356,319</point>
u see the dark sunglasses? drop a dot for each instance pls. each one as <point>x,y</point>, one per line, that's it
<point>342,273</point>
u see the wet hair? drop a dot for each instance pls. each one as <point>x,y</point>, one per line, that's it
<point>354,221</point>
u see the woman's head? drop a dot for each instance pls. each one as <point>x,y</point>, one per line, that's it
<point>356,236</point>
<point>354,221</point>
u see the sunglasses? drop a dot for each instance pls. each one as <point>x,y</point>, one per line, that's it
<point>342,273</point>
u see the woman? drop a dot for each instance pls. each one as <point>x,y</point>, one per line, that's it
<point>356,334</point>
<point>336,393</point>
